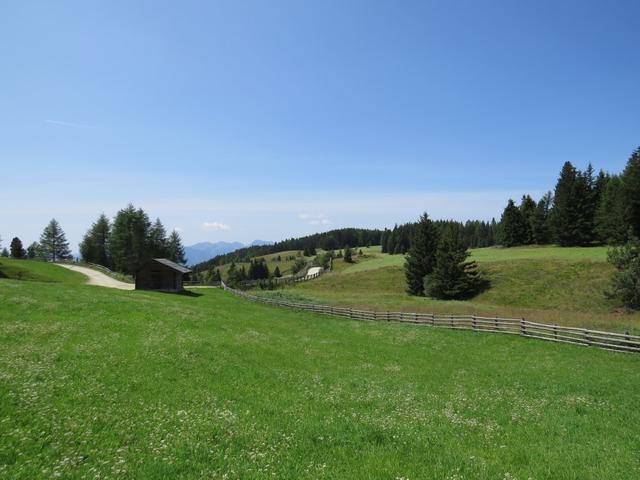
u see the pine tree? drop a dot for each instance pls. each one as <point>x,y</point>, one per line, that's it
<point>276,272</point>
<point>383,240</point>
<point>17,251</point>
<point>453,276</point>
<point>574,207</point>
<point>175,249</point>
<point>611,227</point>
<point>32,250</point>
<point>631,192</point>
<point>527,208</point>
<point>513,227</point>
<point>158,241</point>
<point>94,247</point>
<point>129,242</point>
<point>53,243</point>
<point>420,259</point>
<point>540,227</point>
<point>5,253</point>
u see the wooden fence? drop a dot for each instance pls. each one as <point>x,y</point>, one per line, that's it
<point>621,342</point>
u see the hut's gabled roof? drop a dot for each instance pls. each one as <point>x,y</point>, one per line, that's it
<point>168,263</point>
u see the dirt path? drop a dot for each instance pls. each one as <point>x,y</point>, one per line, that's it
<point>313,271</point>
<point>98,278</point>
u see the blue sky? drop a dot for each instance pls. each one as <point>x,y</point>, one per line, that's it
<point>264,119</point>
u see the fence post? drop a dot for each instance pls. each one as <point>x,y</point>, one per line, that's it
<point>350,312</point>
<point>555,331</point>
<point>433,319</point>
<point>473,321</point>
<point>523,328</point>
<point>387,315</point>
<point>495,321</point>
<point>451,320</point>
<point>587,337</point>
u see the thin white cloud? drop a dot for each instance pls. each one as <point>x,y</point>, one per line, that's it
<point>65,124</point>
<point>177,229</point>
<point>215,226</point>
<point>314,219</point>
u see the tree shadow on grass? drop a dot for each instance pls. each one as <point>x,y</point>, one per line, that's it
<point>185,293</point>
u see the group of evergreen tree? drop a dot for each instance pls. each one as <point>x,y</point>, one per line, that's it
<point>53,246</point>
<point>258,269</point>
<point>584,209</point>
<point>129,240</point>
<point>473,233</point>
<point>437,265</point>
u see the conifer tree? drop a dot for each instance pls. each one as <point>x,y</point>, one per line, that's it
<point>17,251</point>
<point>421,257</point>
<point>32,250</point>
<point>527,208</point>
<point>513,228</point>
<point>175,250</point>
<point>276,272</point>
<point>631,192</point>
<point>5,252</point>
<point>540,227</point>
<point>53,243</point>
<point>565,214</point>
<point>453,276</point>
<point>129,241</point>
<point>94,247</point>
<point>610,225</point>
<point>158,241</point>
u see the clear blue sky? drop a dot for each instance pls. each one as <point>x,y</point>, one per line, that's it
<point>240,120</point>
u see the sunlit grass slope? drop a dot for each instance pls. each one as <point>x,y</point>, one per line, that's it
<point>99,383</point>
<point>548,284</point>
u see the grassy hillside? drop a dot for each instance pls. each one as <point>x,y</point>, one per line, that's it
<point>287,259</point>
<point>37,271</point>
<point>100,383</point>
<point>548,284</point>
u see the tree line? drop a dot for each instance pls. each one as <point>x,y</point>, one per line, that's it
<point>53,245</point>
<point>129,240</point>
<point>584,209</point>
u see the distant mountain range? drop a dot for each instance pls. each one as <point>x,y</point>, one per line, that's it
<point>203,251</point>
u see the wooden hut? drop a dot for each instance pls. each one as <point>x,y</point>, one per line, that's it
<point>161,274</point>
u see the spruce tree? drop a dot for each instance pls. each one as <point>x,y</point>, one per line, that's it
<point>158,241</point>
<point>5,253</point>
<point>631,192</point>
<point>453,276</point>
<point>573,207</point>
<point>53,243</point>
<point>94,247</point>
<point>420,259</point>
<point>276,272</point>
<point>32,250</point>
<point>610,225</point>
<point>527,208</point>
<point>540,227</point>
<point>129,242</point>
<point>512,226</point>
<point>17,251</point>
<point>175,249</point>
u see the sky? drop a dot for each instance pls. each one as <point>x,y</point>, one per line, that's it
<point>246,120</point>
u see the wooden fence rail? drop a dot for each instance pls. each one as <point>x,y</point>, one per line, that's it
<point>621,342</point>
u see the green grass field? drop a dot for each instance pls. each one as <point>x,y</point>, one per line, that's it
<point>99,383</point>
<point>547,284</point>
<point>284,264</point>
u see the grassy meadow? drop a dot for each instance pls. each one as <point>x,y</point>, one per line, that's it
<point>100,383</point>
<point>547,284</point>
<point>287,260</point>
